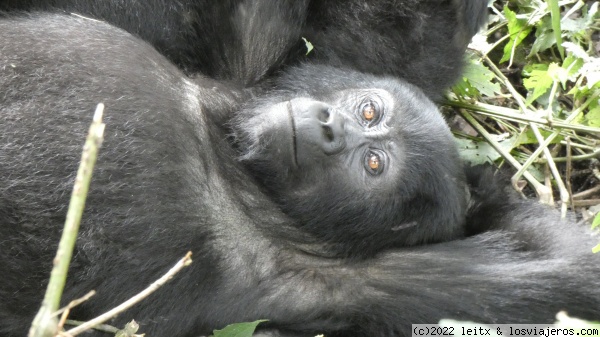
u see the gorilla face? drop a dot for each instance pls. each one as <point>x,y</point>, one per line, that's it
<point>351,143</point>
<point>375,154</point>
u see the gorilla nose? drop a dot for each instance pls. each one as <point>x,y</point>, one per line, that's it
<point>319,129</point>
<point>332,136</point>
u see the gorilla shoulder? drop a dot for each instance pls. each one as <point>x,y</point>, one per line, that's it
<point>362,162</point>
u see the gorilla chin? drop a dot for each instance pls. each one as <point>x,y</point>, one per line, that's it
<point>349,157</point>
<point>269,134</point>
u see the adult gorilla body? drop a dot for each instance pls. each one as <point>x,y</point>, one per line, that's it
<point>243,41</point>
<point>166,182</point>
<point>420,41</point>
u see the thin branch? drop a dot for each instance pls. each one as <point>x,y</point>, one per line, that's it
<point>514,116</point>
<point>100,327</point>
<point>587,156</point>
<point>587,193</point>
<point>542,190</point>
<point>66,310</point>
<point>184,262</point>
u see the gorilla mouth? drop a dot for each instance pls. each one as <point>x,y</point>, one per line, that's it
<point>294,140</point>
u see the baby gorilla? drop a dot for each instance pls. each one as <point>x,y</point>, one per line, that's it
<point>361,162</point>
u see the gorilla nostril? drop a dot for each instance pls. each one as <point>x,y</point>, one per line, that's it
<point>328,133</point>
<point>323,115</point>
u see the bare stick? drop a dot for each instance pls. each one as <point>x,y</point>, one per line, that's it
<point>184,262</point>
<point>66,310</point>
<point>76,302</point>
<point>587,193</point>
<point>100,327</point>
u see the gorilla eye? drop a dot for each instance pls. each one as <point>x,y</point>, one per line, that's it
<point>369,113</point>
<point>374,161</point>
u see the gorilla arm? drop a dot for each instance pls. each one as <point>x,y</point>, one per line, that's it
<point>526,272</point>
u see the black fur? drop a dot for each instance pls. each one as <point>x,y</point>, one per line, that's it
<point>421,41</point>
<point>309,143</point>
<point>166,182</point>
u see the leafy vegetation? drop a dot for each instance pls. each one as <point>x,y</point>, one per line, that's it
<point>531,93</point>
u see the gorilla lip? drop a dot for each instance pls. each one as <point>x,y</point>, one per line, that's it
<point>294,141</point>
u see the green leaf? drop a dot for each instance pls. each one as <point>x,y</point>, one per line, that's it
<point>538,81</point>
<point>574,25</point>
<point>309,46</point>
<point>465,89</point>
<point>555,13</point>
<point>591,70</point>
<point>518,30</point>
<point>543,41</point>
<point>592,118</point>
<point>580,24</point>
<point>479,77</point>
<point>238,329</point>
<point>572,65</point>
<point>593,79</point>
<point>590,15</point>
<point>576,50</point>
<point>558,73</point>
<point>544,36</point>
<point>476,152</point>
<point>596,221</point>
<point>480,152</point>
<point>596,249</point>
